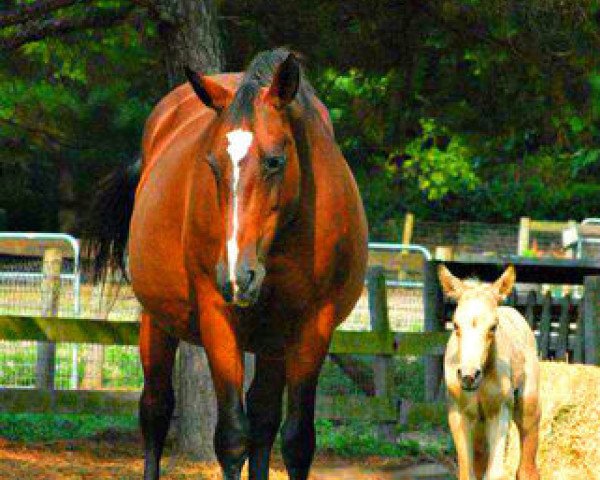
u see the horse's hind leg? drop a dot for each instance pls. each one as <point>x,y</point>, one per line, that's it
<point>157,352</point>
<point>264,399</point>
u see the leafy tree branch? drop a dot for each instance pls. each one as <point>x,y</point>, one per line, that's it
<point>36,30</point>
<point>30,11</point>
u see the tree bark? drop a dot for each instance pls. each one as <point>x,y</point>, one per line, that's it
<point>190,37</point>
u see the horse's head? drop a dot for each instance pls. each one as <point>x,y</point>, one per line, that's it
<point>253,155</point>
<point>475,320</point>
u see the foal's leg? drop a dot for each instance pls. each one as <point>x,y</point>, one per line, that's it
<point>264,412</point>
<point>219,338</point>
<point>527,419</point>
<point>157,352</point>
<point>497,428</point>
<point>462,434</point>
<point>480,451</point>
<point>303,362</point>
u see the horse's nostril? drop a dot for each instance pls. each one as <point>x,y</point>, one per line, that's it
<point>246,278</point>
<point>459,373</point>
<point>251,276</point>
<point>477,374</point>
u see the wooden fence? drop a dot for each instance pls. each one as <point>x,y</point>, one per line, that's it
<point>566,328</point>
<point>380,343</point>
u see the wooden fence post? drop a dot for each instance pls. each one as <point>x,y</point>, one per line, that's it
<point>524,226</point>
<point>93,361</point>
<point>378,313</point>
<point>46,351</point>
<point>578,355</point>
<point>409,222</point>
<point>383,366</point>
<point>544,329</point>
<point>433,301</point>
<point>562,345</point>
<point>591,321</point>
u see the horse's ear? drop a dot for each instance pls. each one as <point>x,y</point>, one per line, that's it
<point>504,285</point>
<point>286,82</point>
<point>211,93</point>
<point>451,286</point>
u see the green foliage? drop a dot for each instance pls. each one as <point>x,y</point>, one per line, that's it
<point>472,113</point>
<point>34,427</point>
<point>71,108</point>
<point>438,170</point>
<point>361,439</point>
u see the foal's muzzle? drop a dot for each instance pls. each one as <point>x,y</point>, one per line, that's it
<point>248,281</point>
<point>470,379</point>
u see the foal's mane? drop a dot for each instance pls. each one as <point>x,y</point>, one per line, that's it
<point>260,74</point>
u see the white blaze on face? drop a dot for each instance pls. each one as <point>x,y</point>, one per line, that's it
<point>237,148</point>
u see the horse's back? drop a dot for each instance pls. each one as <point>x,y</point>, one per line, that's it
<point>516,328</point>
<point>518,345</point>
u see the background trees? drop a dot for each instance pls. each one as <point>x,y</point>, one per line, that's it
<point>478,110</point>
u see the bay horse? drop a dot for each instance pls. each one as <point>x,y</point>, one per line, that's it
<point>491,370</point>
<point>246,231</point>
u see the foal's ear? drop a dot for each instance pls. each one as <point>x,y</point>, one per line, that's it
<point>211,93</point>
<point>286,81</point>
<point>504,285</point>
<point>453,287</point>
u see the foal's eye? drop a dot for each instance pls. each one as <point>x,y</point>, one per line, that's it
<point>273,164</point>
<point>493,328</point>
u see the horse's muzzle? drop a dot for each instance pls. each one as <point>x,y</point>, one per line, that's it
<point>249,280</point>
<point>470,379</point>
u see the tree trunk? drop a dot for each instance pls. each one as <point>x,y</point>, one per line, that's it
<point>190,37</point>
<point>66,197</point>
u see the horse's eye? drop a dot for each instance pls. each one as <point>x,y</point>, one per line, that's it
<point>273,164</point>
<point>493,328</point>
<point>456,327</point>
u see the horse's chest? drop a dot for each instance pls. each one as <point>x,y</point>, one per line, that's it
<point>487,401</point>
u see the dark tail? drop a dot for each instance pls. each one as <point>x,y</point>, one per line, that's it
<point>107,226</point>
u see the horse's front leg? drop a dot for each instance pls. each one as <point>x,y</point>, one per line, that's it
<point>157,352</point>
<point>220,340</point>
<point>497,428</point>
<point>263,402</point>
<point>462,428</point>
<point>303,360</point>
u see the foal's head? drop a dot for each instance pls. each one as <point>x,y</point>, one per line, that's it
<point>475,320</point>
<point>253,155</point>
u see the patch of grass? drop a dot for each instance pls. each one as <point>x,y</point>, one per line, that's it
<point>361,439</point>
<point>42,427</point>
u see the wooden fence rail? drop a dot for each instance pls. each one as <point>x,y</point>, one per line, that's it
<point>566,328</point>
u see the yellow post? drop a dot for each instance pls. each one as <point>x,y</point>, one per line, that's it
<point>409,221</point>
<point>524,228</point>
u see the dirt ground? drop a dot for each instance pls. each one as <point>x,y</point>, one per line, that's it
<point>119,458</point>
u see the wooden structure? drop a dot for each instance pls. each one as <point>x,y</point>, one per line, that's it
<point>578,235</point>
<point>567,328</point>
<point>527,226</point>
<point>380,342</point>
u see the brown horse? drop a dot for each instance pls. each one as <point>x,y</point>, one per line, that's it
<point>246,232</point>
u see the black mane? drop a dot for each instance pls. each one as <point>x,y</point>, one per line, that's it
<point>260,74</point>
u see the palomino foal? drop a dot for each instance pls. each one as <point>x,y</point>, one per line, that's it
<point>492,375</point>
